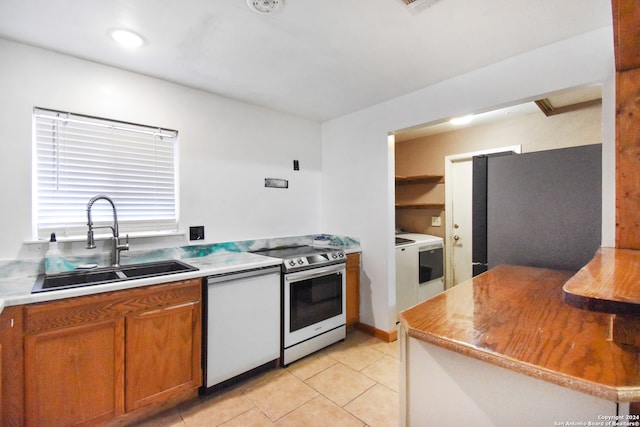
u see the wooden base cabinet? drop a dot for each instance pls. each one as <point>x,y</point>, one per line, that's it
<point>160,361</point>
<point>75,375</point>
<point>91,359</point>
<point>1,383</point>
<point>353,288</point>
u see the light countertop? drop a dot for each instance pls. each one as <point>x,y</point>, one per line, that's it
<point>17,291</point>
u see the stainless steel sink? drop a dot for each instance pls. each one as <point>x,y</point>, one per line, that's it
<point>137,271</point>
<point>99,276</point>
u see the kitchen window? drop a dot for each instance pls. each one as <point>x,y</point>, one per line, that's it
<point>76,157</point>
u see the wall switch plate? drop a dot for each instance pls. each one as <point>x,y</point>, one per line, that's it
<point>196,233</point>
<point>436,221</point>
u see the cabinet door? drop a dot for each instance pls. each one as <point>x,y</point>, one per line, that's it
<point>163,350</point>
<point>75,375</point>
<point>1,384</point>
<point>353,288</point>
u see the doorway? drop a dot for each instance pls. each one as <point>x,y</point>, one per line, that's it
<point>420,150</point>
<point>458,218</point>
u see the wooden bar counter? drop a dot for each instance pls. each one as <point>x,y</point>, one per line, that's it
<point>610,283</point>
<point>505,347</point>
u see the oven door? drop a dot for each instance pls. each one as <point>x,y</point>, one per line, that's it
<point>431,263</point>
<point>314,302</point>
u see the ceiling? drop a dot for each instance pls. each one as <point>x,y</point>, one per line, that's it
<point>316,59</point>
<point>558,103</point>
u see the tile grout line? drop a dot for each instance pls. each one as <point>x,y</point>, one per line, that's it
<point>241,414</point>
<point>361,371</point>
<point>383,351</point>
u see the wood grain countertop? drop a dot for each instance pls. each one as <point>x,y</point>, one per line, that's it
<point>610,283</point>
<point>515,317</point>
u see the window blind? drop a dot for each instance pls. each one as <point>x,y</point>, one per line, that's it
<point>77,157</point>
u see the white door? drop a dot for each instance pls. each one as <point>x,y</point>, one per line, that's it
<point>458,203</point>
<point>461,208</point>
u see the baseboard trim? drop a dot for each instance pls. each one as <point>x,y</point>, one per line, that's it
<point>378,333</point>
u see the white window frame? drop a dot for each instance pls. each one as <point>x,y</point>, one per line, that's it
<point>76,157</point>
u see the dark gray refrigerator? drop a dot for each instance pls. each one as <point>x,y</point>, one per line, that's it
<point>540,209</point>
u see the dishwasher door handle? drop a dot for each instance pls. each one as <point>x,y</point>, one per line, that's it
<point>242,275</point>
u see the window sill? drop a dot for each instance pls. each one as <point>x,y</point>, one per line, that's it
<point>106,236</point>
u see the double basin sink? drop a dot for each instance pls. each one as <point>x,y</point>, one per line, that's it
<point>99,276</point>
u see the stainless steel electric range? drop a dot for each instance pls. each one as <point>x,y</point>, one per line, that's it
<point>313,299</point>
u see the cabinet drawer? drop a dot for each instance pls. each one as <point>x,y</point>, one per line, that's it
<point>79,310</point>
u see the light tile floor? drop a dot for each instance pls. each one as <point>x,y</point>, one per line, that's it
<point>351,383</point>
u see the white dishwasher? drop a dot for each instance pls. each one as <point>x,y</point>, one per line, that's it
<point>242,323</point>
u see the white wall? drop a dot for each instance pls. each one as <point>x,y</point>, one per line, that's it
<point>227,148</point>
<point>358,191</point>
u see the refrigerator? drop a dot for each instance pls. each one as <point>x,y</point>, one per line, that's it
<point>539,209</point>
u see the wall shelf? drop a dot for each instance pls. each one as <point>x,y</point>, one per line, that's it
<point>439,206</point>
<point>411,197</point>
<point>420,179</point>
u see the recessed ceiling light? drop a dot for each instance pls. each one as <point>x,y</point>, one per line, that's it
<point>462,120</point>
<point>126,38</point>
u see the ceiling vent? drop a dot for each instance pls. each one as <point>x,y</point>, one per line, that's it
<point>264,6</point>
<point>416,6</point>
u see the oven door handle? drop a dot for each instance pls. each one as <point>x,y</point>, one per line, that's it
<point>317,272</point>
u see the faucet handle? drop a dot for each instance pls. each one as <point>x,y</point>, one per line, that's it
<point>121,247</point>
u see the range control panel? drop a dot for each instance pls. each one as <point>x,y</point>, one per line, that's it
<point>315,260</point>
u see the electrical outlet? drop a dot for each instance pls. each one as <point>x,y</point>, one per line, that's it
<point>196,233</point>
<point>436,221</point>
<point>296,165</point>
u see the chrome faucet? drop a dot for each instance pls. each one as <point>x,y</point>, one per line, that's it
<point>116,247</point>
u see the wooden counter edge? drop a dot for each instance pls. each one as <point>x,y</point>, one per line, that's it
<point>617,394</point>
<point>606,283</point>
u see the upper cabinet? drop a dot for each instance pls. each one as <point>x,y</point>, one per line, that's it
<point>420,192</point>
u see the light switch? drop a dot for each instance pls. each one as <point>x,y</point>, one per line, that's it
<point>436,221</point>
